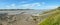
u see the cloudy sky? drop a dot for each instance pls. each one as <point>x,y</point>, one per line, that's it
<point>29,4</point>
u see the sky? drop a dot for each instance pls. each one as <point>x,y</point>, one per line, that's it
<point>29,4</point>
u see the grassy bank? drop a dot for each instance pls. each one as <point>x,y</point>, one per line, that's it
<point>53,19</point>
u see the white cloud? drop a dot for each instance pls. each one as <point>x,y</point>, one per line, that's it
<point>7,6</point>
<point>31,0</point>
<point>43,2</point>
<point>11,6</point>
<point>23,2</point>
<point>24,6</point>
<point>30,5</point>
<point>36,4</point>
<point>52,6</point>
<point>49,7</point>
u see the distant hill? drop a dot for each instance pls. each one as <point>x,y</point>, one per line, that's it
<point>14,9</point>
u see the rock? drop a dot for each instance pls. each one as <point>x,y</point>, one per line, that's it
<point>20,19</point>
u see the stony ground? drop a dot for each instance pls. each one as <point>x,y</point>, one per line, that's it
<point>22,19</point>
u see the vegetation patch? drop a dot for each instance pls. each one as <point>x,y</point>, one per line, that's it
<point>53,19</point>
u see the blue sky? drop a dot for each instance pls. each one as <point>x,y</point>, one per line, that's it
<point>29,4</point>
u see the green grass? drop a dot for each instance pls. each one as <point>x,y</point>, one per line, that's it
<point>53,19</point>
